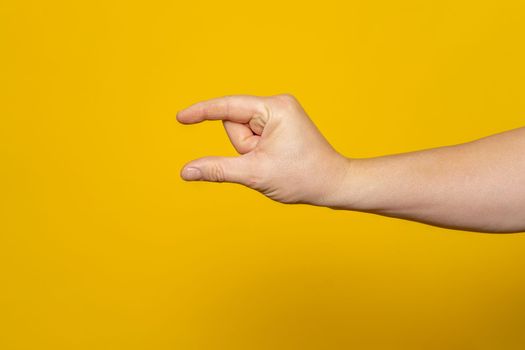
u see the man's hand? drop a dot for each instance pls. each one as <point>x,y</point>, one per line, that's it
<point>283,154</point>
<point>476,186</point>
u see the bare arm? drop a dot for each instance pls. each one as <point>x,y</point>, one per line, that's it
<point>477,186</point>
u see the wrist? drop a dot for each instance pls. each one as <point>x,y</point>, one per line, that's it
<point>342,193</point>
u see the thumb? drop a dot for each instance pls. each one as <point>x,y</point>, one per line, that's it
<point>217,169</point>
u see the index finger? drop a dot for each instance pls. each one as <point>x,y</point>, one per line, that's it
<point>237,108</point>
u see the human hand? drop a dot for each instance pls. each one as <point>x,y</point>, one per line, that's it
<point>283,154</point>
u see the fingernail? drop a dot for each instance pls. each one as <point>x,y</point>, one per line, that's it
<point>190,174</point>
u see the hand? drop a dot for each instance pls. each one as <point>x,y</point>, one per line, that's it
<point>283,154</point>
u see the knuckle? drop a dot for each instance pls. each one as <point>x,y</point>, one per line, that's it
<point>286,101</point>
<point>227,100</point>
<point>257,175</point>
<point>286,97</point>
<point>258,122</point>
<point>216,173</point>
<point>208,111</point>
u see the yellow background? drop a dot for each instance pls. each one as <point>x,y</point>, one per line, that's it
<point>102,246</point>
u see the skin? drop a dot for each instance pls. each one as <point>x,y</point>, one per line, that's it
<point>475,186</point>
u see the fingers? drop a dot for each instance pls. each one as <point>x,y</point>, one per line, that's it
<point>238,108</point>
<point>218,169</point>
<point>241,136</point>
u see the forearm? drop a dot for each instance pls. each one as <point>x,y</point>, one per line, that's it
<point>478,186</point>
